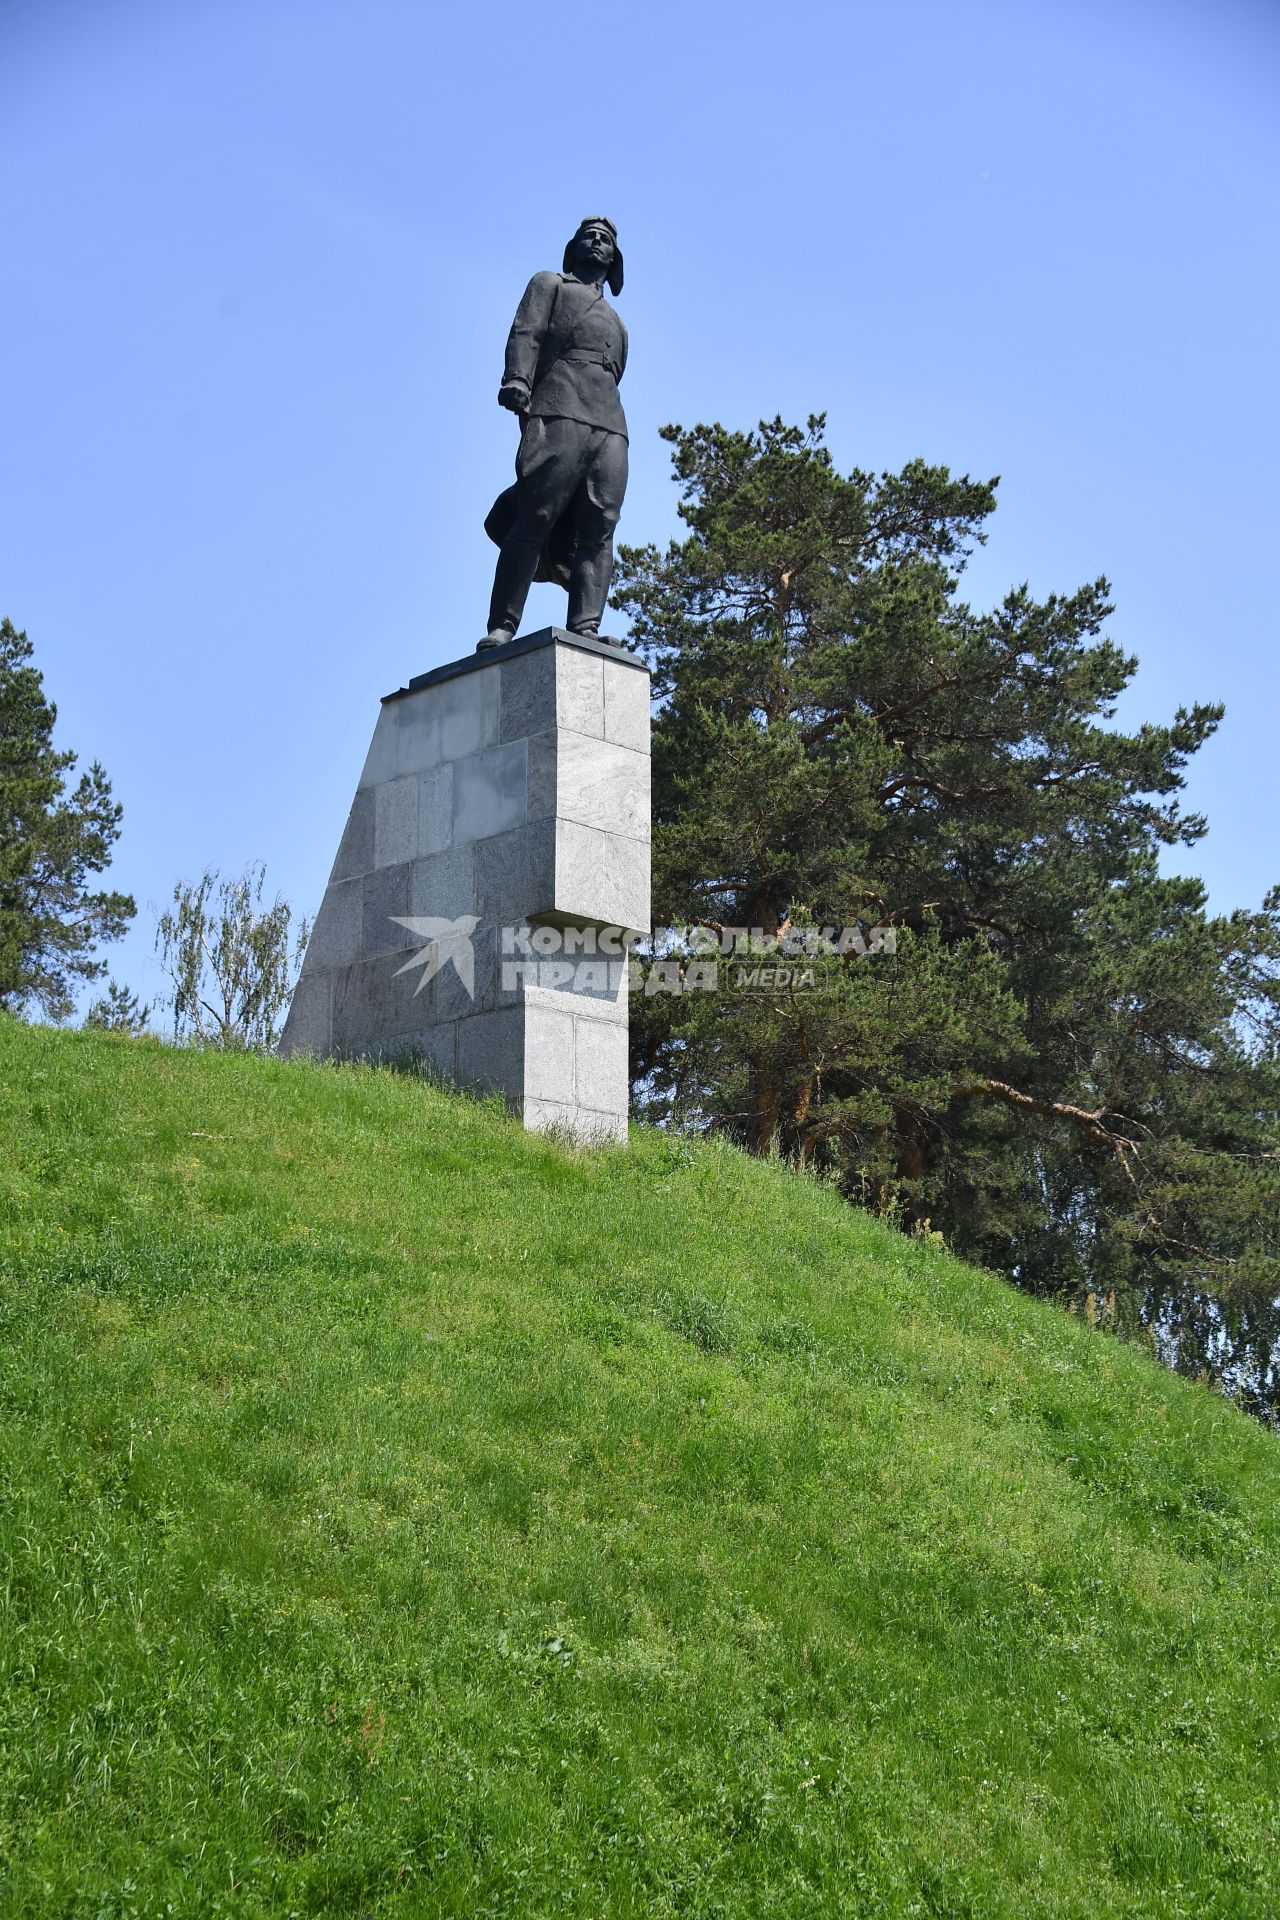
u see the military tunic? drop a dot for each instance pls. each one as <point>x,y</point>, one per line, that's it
<point>568,347</point>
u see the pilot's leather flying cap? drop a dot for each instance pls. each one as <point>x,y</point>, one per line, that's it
<point>614,275</point>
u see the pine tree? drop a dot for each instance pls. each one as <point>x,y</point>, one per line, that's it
<point>1068,1066</point>
<point>118,1010</point>
<point>52,838</point>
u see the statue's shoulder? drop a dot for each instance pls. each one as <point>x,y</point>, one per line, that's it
<point>539,298</point>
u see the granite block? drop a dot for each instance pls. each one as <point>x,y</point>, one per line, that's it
<point>384,903</point>
<point>355,849</point>
<point>309,1027</point>
<point>601,785</point>
<point>447,722</point>
<point>528,700</point>
<point>540,789</point>
<point>600,1065</point>
<point>489,792</point>
<point>626,707</point>
<point>435,810</point>
<point>434,1048</point>
<point>548,1053</point>
<point>515,873</point>
<point>601,878</point>
<point>580,690</point>
<point>375,1003</point>
<point>444,884</point>
<point>335,938</point>
<point>491,1052</point>
<point>456,998</point>
<point>395,838</point>
<point>381,759</point>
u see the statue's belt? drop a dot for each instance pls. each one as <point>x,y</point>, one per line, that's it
<point>580,357</point>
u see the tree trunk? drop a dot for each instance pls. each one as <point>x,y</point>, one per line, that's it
<point>765,1096</point>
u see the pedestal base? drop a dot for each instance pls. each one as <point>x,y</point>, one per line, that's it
<point>494,865</point>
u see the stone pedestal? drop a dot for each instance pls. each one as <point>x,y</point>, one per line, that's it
<point>494,866</point>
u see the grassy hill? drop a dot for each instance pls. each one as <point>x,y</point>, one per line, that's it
<point>401,1515</point>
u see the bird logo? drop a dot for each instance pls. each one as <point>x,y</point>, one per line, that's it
<point>443,941</point>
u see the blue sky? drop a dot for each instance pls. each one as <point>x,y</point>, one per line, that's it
<point>261,257</point>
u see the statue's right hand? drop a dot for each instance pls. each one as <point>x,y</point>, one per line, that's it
<point>514,396</point>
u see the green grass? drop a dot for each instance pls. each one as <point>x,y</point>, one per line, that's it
<point>402,1515</point>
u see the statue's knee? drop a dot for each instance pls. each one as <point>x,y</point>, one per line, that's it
<point>599,522</point>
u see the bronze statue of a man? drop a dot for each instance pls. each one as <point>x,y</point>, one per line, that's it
<point>565,356</point>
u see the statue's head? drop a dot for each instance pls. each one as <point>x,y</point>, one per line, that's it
<point>594,249</point>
